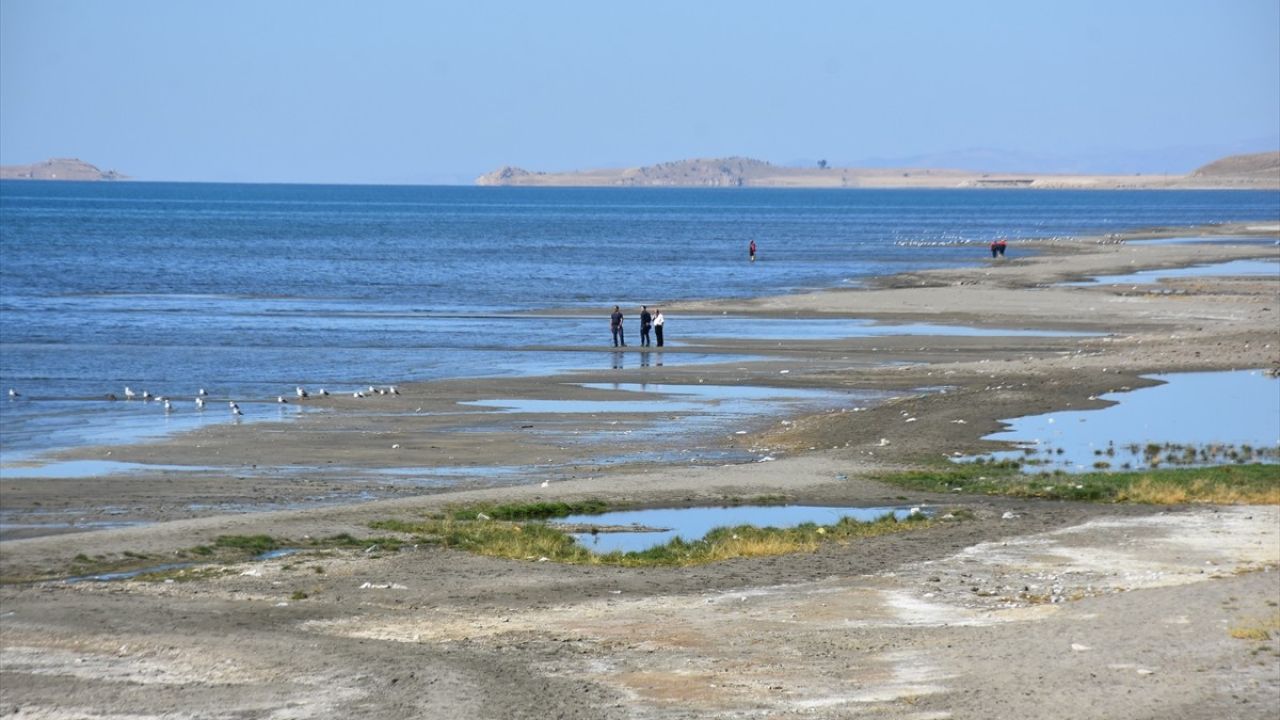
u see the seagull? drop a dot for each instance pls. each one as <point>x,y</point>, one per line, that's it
<point>200,403</point>
<point>201,392</point>
<point>234,407</point>
<point>167,406</point>
<point>128,393</point>
<point>357,394</point>
<point>302,393</point>
<point>392,389</point>
<point>14,393</point>
<point>373,390</point>
<point>146,395</point>
<point>323,393</point>
<point>280,399</point>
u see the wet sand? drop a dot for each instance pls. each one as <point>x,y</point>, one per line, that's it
<point>1122,611</point>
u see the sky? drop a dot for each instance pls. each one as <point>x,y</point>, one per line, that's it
<point>418,92</point>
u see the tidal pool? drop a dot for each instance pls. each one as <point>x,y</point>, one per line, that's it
<point>657,527</point>
<point>1231,268</point>
<point>1236,412</point>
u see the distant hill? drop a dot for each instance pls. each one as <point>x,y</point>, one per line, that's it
<point>1260,166</point>
<point>1260,171</point>
<point>58,169</point>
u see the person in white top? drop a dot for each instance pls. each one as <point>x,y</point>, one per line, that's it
<point>658,320</point>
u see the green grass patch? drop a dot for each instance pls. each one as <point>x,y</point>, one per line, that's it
<point>1257,484</point>
<point>530,511</point>
<point>535,540</point>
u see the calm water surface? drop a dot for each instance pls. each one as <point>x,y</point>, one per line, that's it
<point>249,290</point>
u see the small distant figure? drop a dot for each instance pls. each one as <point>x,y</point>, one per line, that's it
<point>658,322</point>
<point>751,251</point>
<point>615,325</point>
<point>646,322</point>
<point>997,248</point>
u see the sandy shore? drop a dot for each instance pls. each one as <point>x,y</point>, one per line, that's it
<point>1114,611</point>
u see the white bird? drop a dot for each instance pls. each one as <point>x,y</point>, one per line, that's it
<point>392,389</point>
<point>201,392</point>
<point>236,411</point>
<point>167,406</point>
<point>373,390</point>
<point>357,394</point>
<point>13,393</point>
<point>233,405</point>
<point>146,395</point>
<point>280,399</point>
<point>128,393</point>
<point>323,392</point>
<point>301,393</point>
<point>200,403</point>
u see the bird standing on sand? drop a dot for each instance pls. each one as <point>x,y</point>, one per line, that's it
<point>280,399</point>
<point>128,393</point>
<point>301,392</point>
<point>323,393</point>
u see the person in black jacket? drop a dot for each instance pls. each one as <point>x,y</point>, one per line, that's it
<point>615,324</point>
<point>646,321</point>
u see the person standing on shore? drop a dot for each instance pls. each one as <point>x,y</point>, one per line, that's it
<point>751,251</point>
<point>658,321</point>
<point>646,320</point>
<point>615,324</point>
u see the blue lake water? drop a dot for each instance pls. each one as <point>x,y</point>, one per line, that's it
<point>1231,268</point>
<point>1197,409</point>
<point>659,526</point>
<point>248,290</point>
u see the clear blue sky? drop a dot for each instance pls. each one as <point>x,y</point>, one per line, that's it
<point>429,92</point>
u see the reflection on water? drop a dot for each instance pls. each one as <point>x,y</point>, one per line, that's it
<point>657,527</point>
<point>1231,410</point>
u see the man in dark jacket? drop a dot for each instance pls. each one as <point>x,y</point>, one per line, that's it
<point>615,324</point>
<point>646,321</point>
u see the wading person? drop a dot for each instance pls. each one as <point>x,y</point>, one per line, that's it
<point>658,321</point>
<point>615,324</point>
<point>646,321</point>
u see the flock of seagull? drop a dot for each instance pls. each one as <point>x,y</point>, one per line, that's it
<point>202,396</point>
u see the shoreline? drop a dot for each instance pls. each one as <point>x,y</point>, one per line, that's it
<point>328,455</point>
<point>908,626</point>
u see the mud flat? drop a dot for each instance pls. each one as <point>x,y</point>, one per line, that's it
<point>1013,608</point>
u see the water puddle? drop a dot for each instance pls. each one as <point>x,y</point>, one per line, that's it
<point>823,329</point>
<point>1208,239</point>
<point>78,469</point>
<point>127,574</point>
<point>1232,268</point>
<point>1201,418</point>
<point>657,527</point>
<point>723,399</point>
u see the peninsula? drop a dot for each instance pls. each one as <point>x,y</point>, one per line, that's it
<point>58,169</point>
<point>1260,171</point>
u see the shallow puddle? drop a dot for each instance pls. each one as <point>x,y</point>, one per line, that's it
<point>1232,268</point>
<point>1197,410</point>
<point>75,469</point>
<point>657,527</point>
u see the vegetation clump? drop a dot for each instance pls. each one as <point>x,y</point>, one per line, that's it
<point>536,540</point>
<point>1257,484</point>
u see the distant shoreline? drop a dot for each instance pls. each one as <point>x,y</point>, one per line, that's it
<point>1242,172</point>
